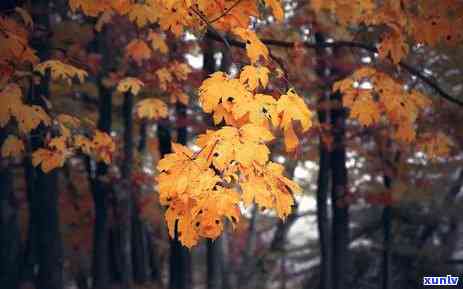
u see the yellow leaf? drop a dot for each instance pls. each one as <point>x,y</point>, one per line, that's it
<point>276,9</point>
<point>142,14</point>
<point>10,101</point>
<point>138,50</point>
<point>435,145</point>
<point>165,77</point>
<point>104,146</point>
<point>393,45</point>
<point>253,76</point>
<point>48,159</point>
<point>61,70</point>
<point>130,84</point>
<point>291,140</point>
<point>293,108</point>
<point>12,147</point>
<point>254,47</point>
<point>29,118</point>
<point>179,96</point>
<point>158,42</point>
<point>151,108</point>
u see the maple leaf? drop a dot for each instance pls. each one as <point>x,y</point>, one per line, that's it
<point>179,96</point>
<point>10,101</point>
<point>262,110</point>
<point>138,50</point>
<point>269,189</point>
<point>131,84</point>
<point>158,42</point>
<point>48,159</point>
<point>435,145</point>
<point>180,70</point>
<point>253,76</point>
<point>231,145</point>
<point>151,108</point>
<point>175,18</point>
<point>165,77</point>
<point>142,14</point>
<point>293,108</point>
<point>12,147</point>
<point>29,117</point>
<point>104,146</point>
<point>276,9</point>
<point>365,109</point>
<point>219,89</point>
<point>61,70</point>
<point>254,47</point>
<point>84,144</point>
<point>394,45</point>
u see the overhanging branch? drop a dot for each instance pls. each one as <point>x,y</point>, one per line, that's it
<point>338,44</point>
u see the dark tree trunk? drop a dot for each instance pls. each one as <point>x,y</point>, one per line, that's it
<point>10,239</point>
<point>340,208</point>
<point>124,200</point>
<point>213,264</point>
<point>43,201</point>
<point>323,182</point>
<point>100,192</point>
<point>140,234</point>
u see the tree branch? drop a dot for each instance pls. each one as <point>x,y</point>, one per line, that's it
<point>338,44</point>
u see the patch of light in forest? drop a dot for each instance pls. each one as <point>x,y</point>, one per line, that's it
<point>366,59</point>
<point>218,58</point>
<point>301,173</point>
<point>233,70</point>
<point>427,71</point>
<point>188,36</point>
<point>280,159</point>
<point>311,165</point>
<point>366,85</point>
<point>195,61</point>
<point>195,148</point>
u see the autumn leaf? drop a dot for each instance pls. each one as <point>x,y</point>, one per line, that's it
<point>103,146</point>
<point>59,70</point>
<point>293,108</point>
<point>255,49</point>
<point>48,159</point>
<point>12,147</point>
<point>253,76</point>
<point>130,84</point>
<point>152,109</point>
<point>165,77</point>
<point>10,102</point>
<point>435,145</point>
<point>29,118</point>
<point>393,45</point>
<point>138,50</point>
<point>276,9</point>
<point>158,42</point>
<point>142,14</point>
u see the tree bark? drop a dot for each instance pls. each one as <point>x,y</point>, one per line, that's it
<point>339,206</point>
<point>10,239</point>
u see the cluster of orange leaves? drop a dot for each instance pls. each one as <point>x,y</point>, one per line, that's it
<point>232,164</point>
<point>427,22</point>
<point>16,60</point>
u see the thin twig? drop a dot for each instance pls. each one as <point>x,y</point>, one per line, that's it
<point>225,12</point>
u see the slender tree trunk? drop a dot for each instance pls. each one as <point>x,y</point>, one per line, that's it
<point>340,231</point>
<point>100,189</point>
<point>323,182</point>
<point>10,239</point>
<point>213,263</point>
<point>44,200</point>
<point>124,200</point>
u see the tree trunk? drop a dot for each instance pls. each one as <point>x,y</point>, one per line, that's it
<point>340,208</point>
<point>10,239</point>
<point>44,200</point>
<point>101,191</point>
<point>323,182</point>
<point>124,200</point>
